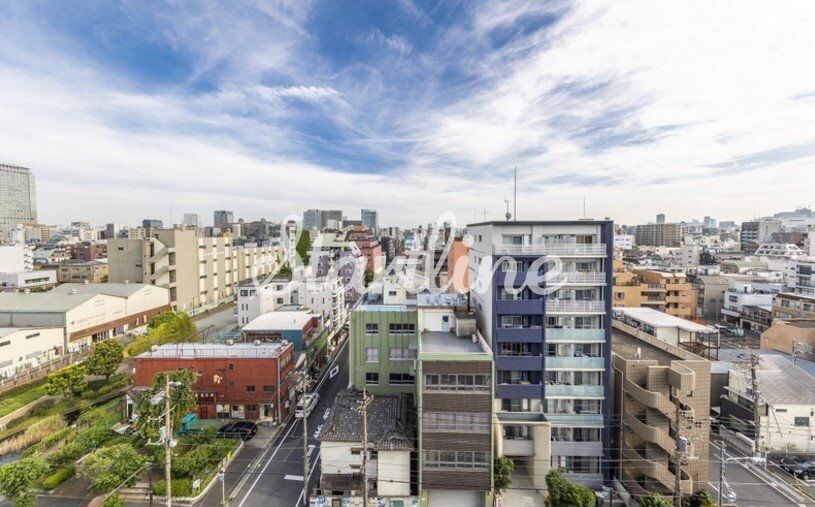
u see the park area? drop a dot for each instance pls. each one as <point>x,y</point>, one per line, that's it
<point>68,432</point>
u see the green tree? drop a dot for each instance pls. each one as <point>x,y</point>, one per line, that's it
<point>111,466</point>
<point>182,401</point>
<point>70,380</point>
<point>369,276</point>
<point>656,500</point>
<point>503,469</point>
<point>701,498</point>
<point>105,358</point>
<point>563,493</point>
<point>284,271</point>
<point>17,478</point>
<point>304,247</point>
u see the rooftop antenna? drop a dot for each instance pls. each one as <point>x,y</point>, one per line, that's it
<point>485,214</point>
<point>515,196</point>
<point>584,206</point>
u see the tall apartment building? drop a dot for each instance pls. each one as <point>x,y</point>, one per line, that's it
<point>665,291</point>
<point>798,300</point>
<point>651,377</point>
<point>755,232</point>
<point>311,219</point>
<point>192,220</point>
<point>552,350</point>
<point>222,218</point>
<point>151,223</point>
<point>322,219</point>
<point>660,234</point>
<point>199,272</point>
<point>18,199</point>
<point>370,219</point>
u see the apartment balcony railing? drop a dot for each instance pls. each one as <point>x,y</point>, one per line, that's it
<point>650,399</point>
<point>651,434</point>
<point>571,391</point>
<point>652,287</point>
<point>575,419</point>
<point>566,306</point>
<point>571,448</point>
<point>575,363</point>
<point>575,335</point>
<point>518,447</point>
<point>519,362</point>
<point>581,278</point>
<point>593,250</point>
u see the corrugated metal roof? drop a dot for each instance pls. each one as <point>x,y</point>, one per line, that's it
<point>111,289</point>
<point>41,302</point>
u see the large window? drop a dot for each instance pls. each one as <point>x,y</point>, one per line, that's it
<point>511,321</point>
<point>401,354</point>
<point>372,355</point>
<point>372,379</point>
<point>470,422</point>
<point>458,460</point>
<point>434,382</point>
<point>401,379</point>
<point>401,328</point>
<point>371,328</point>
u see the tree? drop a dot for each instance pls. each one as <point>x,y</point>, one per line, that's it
<point>701,498</point>
<point>70,380</point>
<point>182,401</point>
<point>110,467</point>
<point>503,469</point>
<point>105,358</point>
<point>563,493</point>
<point>369,276</point>
<point>304,247</point>
<point>284,271</point>
<point>655,500</point>
<point>17,477</point>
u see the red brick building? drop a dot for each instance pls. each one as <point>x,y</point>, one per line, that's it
<point>240,381</point>
<point>88,251</point>
<point>368,245</point>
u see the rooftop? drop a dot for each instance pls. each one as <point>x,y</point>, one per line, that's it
<point>440,342</point>
<point>388,426</point>
<point>627,346</point>
<point>6,331</point>
<point>41,302</point>
<point>780,382</point>
<point>111,289</point>
<point>542,222</point>
<point>658,319</point>
<point>381,308</point>
<point>287,320</point>
<point>216,350</point>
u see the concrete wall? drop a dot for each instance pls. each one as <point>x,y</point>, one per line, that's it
<point>393,473</point>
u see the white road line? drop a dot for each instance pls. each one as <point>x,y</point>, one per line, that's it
<point>310,450</point>
<point>298,478</point>
<point>309,477</point>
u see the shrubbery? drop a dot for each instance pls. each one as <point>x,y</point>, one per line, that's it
<point>61,475</point>
<point>111,466</point>
<point>563,492</point>
<point>166,327</point>
<point>180,487</point>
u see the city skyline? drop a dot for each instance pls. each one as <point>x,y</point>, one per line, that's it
<point>274,107</point>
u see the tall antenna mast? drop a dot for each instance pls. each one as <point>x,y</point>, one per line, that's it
<point>584,206</point>
<point>515,196</point>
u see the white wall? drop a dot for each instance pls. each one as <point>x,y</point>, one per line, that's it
<point>29,347</point>
<point>336,457</point>
<point>393,473</point>
<point>15,258</point>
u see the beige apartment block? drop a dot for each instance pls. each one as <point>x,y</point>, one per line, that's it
<point>650,377</point>
<point>199,272</point>
<point>781,335</point>
<point>665,291</point>
<point>82,271</point>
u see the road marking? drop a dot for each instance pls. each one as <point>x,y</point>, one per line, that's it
<point>310,450</point>
<point>319,429</point>
<point>327,411</point>
<point>298,478</point>
<point>309,477</point>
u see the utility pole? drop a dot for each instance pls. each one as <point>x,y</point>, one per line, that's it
<point>302,387</point>
<point>681,455</point>
<point>168,450</point>
<point>363,408</point>
<point>721,471</point>
<point>754,360</point>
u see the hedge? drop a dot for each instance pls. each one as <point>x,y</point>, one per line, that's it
<point>61,475</point>
<point>181,487</point>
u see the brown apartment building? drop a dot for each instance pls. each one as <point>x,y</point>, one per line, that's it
<point>650,288</point>
<point>76,271</point>
<point>650,377</point>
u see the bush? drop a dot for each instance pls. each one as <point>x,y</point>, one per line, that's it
<point>181,487</point>
<point>61,475</point>
<point>69,380</point>
<point>42,408</point>
<point>166,327</point>
<point>563,492</point>
<point>655,500</point>
<point>111,466</point>
<point>112,501</point>
<point>17,478</point>
<point>21,396</point>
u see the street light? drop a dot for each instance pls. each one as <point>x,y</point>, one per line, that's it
<point>723,461</point>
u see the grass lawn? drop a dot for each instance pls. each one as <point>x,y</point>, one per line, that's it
<point>21,396</point>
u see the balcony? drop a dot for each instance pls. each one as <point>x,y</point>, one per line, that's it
<point>582,420</point>
<point>570,391</point>
<point>530,391</point>
<point>566,250</point>
<point>652,287</point>
<point>518,447</point>
<point>560,448</point>
<point>580,278</point>
<point>520,334</point>
<point>565,335</point>
<point>519,306</point>
<point>518,362</point>
<point>575,363</point>
<point>566,306</point>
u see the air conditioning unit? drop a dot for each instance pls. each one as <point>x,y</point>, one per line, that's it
<point>230,342</point>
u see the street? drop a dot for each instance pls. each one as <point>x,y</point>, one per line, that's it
<point>274,476</point>
<point>754,486</point>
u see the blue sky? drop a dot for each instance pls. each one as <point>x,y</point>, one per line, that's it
<point>415,108</point>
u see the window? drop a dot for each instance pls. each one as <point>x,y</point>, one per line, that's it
<point>251,408</point>
<point>402,354</point>
<point>231,366</point>
<point>372,379</point>
<point>471,422</point>
<point>268,389</point>
<point>510,265</point>
<point>438,382</point>
<point>392,293</point>
<point>250,389</point>
<point>802,421</point>
<point>511,295</point>
<point>401,328</point>
<point>401,379</point>
<point>371,328</point>
<point>464,460</point>
<point>371,355</point>
<point>511,321</point>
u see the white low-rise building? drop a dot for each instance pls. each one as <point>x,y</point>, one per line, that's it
<point>27,280</point>
<point>779,251</point>
<point>624,241</point>
<point>28,347</point>
<point>14,258</point>
<point>325,295</point>
<point>256,298</point>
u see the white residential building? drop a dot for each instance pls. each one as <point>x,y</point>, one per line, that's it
<point>27,280</point>
<point>258,298</point>
<point>779,251</point>
<point>16,258</point>
<point>325,295</point>
<point>745,295</point>
<point>624,241</point>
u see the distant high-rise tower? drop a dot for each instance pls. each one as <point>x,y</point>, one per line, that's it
<point>661,218</point>
<point>18,198</point>
<point>152,223</point>
<point>312,218</point>
<point>222,218</point>
<point>192,220</point>
<point>370,219</point>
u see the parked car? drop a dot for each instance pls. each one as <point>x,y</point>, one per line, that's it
<point>306,405</point>
<point>798,466</point>
<point>715,422</point>
<point>241,429</point>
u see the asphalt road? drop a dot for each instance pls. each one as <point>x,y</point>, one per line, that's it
<point>754,486</point>
<point>273,476</point>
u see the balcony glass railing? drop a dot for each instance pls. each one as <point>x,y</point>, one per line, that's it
<point>575,335</point>
<point>597,249</point>
<point>574,391</point>
<point>575,363</point>
<point>576,419</point>
<point>556,305</point>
